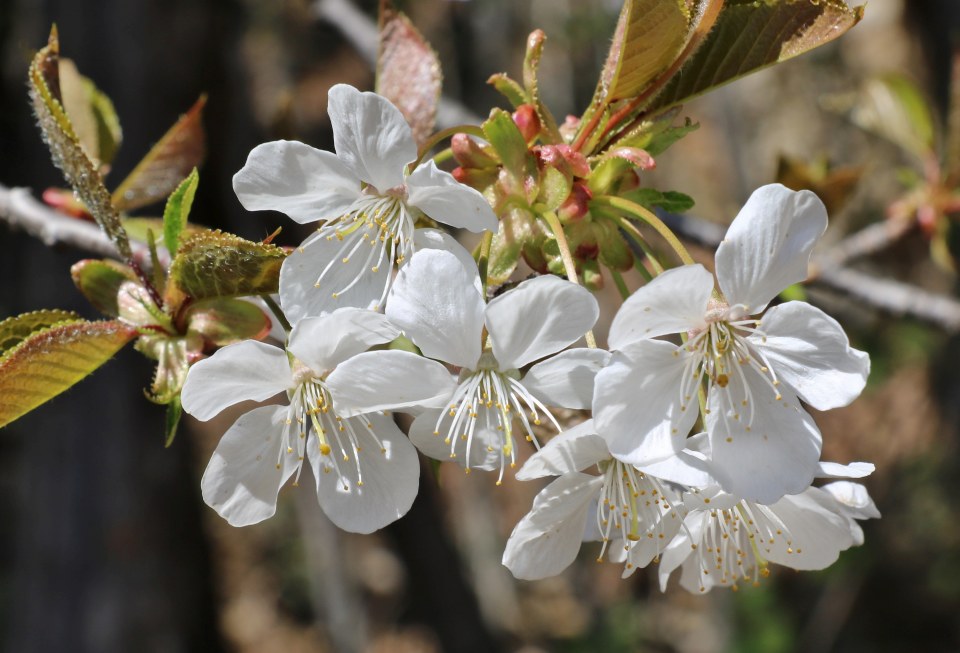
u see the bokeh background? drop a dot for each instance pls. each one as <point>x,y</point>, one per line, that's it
<point>105,546</point>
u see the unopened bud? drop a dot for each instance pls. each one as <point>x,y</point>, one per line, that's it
<point>527,120</point>
<point>471,154</point>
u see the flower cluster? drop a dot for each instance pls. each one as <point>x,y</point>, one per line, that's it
<point>698,454</point>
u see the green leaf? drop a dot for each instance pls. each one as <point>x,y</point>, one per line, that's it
<point>671,200</point>
<point>517,228</point>
<point>15,330</point>
<point>215,264</point>
<point>92,114</point>
<point>52,360</point>
<point>65,148</point>
<point>223,321</point>
<point>408,72</point>
<point>166,164</point>
<point>751,34</point>
<point>506,139</point>
<point>99,282</point>
<point>177,211</point>
<point>509,88</point>
<point>650,36</point>
<point>172,420</point>
<point>531,67</point>
<point>893,108</point>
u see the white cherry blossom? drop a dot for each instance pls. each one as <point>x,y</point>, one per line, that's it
<point>726,540</point>
<point>436,301</point>
<point>366,470</point>
<point>635,515</point>
<point>757,370</point>
<point>365,197</point>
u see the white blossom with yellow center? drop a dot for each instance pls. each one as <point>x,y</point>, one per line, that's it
<point>635,515</point>
<point>753,371</point>
<point>366,470</point>
<point>478,419</point>
<point>365,199</point>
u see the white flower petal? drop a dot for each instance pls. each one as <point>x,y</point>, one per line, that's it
<point>437,239</point>
<point>305,183</point>
<point>242,480</point>
<point>768,246</point>
<point>674,302</point>
<point>679,549</point>
<point>809,351</point>
<point>814,534</point>
<point>446,200</point>
<point>435,301</point>
<point>566,379</point>
<point>390,478</point>
<point>303,294</point>
<point>389,380</point>
<point>370,136</point>
<point>247,370</point>
<point>638,406</point>
<point>547,539</point>
<point>484,450</point>
<point>322,343</point>
<point>763,458</point>
<point>853,470</point>
<point>687,467</point>
<point>854,499</point>
<point>573,450</point>
<point>539,317</point>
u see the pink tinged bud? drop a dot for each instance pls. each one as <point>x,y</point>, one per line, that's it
<point>565,159</point>
<point>527,121</point>
<point>471,154</point>
<point>577,204</point>
<point>569,127</point>
<point>477,178</point>
<point>638,157</point>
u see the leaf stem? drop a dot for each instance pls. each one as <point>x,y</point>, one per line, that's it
<point>277,313</point>
<point>643,213</point>
<point>568,263</point>
<point>620,283</point>
<point>444,134</point>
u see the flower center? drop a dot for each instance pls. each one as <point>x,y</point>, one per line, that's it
<point>631,508</point>
<point>734,541</point>
<point>338,440</point>
<point>374,234</point>
<point>724,356</point>
<point>483,407</point>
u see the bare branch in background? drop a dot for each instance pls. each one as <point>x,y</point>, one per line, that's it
<point>20,210</point>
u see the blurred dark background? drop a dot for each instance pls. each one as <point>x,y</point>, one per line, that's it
<point>105,546</point>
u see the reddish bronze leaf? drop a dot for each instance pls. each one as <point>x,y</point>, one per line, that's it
<point>167,164</point>
<point>408,71</point>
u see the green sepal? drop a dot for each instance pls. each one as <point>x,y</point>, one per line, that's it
<point>615,253</point>
<point>99,281</point>
<point>222,321</point>
<point>51,360</point>
<point>171,420</point>
<point>15,330</point>
<point>517,227</point>
<point>555,187</point>
<point>510,89</point>
<point>177,211</point>
<point>216,264</point>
